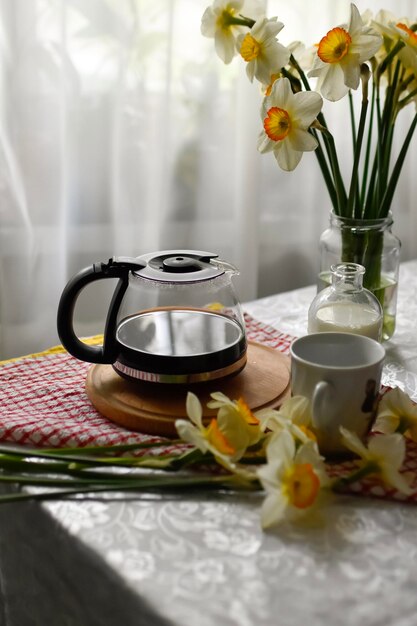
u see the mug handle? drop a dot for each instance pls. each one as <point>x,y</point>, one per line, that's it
<point>322,405</point>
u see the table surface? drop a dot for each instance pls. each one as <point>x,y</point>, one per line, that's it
<point>203,559</point>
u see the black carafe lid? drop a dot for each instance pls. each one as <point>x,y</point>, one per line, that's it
<point>180,266</point>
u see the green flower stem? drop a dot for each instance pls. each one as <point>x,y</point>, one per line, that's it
<point>327,175</point>
<point>321,159</point>
<point>188,458</point>
<point>367,155</point>
<point>389,193</point>
<point>29,461</point>
<point>302,75</point>
<point>352,119</point>
<point>385,136</point>
<point>229,20</point>
<point>72,457</point>
<point>364,247</point>
<point>113,448</point>
<point>53,481</point>
<point>147,484</point>
<point>365,470</point>
<point>389,58</point>
<point>11,464</point>
<point>295,82</point>
<point>407,99</point>
<point>354,208</point>
<point>335,187</point>
<point>337,177</point>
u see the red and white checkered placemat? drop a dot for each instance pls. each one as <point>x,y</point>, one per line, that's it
<point>43,403</point>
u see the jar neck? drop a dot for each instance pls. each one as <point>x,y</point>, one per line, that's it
<point>347,276</point>
<point>347,223</point>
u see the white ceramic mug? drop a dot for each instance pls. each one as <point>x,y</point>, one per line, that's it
<point>340,373</point>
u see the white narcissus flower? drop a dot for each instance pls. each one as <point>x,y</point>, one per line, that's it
<point>340,55</point>
<point>228,436</point>
<point>292,479</point>
<point>261,50</point>
<point>294,414</point>
<point>408,54</point>
<point>304,58</point>
<point>215,23</point>
<point>286,118</point>
<point>393,28</point>
<point>237,422</point>
<point>384,456</point>
<point>396,412</point>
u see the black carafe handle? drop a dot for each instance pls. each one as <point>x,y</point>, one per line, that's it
<point>117,267</point>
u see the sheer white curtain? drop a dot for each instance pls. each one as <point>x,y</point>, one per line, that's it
<point>121,133</point>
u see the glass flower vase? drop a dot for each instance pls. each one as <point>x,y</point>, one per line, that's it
<point>372,244</point>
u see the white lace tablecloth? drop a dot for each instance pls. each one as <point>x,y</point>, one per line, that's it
<point>204,560</point>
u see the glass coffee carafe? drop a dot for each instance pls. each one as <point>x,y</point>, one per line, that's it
<point>174,318</point>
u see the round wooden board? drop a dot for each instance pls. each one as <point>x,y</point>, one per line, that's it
<point>152,408</point>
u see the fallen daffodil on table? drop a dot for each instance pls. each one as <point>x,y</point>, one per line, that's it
<point>270,450</point>
<point>397,414</point>
<point>292,479</point>
<point>293,415</point>
<point>383,457</point>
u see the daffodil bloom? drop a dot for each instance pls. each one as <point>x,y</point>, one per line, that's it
<point>304,58</point>
<point>340,54</point>
<point>294,414</point>
<point>236,420</point>
<point>397,413</point>
<point>217,22</point>
<point>292,479</point>
<point>227,437</point>
<point>384,456</point>
<point>261,50</point>
<point>395,29</point>
<point>287,117</point>
<point>408,54</point>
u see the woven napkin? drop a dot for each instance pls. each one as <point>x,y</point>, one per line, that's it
<point>43,403</point>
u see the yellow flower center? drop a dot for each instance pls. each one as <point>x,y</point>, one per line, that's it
<point>250,48</point>
<point>278,124</point>
<point>215,436</point>
<point>302,485</point>
<point>334,46</point>
<point>412,36</point>
<point>246,413</point>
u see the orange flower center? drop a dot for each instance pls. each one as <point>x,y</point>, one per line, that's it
<point>302,485</point>
<point>246,413</point>
<point>412,36</point>
<point>278,124</point>
<point>217,439</point>
<point>334,46</point>
<point>249,48</point>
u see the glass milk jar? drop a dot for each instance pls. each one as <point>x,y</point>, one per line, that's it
<point>346,306</point>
